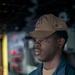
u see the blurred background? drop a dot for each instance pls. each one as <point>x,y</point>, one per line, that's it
<point>17,18</point>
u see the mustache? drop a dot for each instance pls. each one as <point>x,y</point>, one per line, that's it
<point>37,47</point>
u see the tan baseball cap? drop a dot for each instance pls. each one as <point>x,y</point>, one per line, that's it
<point>46,25</point>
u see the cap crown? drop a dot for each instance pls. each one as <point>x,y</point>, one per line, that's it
<point>50,22</point>
<point>47,25</point>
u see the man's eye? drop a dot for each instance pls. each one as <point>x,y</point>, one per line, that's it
<point>44,40</point>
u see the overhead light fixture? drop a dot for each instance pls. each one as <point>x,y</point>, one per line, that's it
<point>3,3</point>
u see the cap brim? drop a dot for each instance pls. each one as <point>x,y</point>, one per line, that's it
<point>40,34</point>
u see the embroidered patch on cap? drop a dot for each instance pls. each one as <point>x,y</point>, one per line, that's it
<point>58,26</point>
<point>40,21</point>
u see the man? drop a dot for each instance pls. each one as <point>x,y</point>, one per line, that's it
<point>51,35</point>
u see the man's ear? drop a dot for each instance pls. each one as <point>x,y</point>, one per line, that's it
<point>61,42</point>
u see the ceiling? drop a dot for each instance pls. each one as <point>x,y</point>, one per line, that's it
<point>21,14</point>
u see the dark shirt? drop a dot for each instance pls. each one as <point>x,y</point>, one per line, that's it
<point>64,68</point>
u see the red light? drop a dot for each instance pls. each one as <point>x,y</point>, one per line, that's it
<point>17,59</point>
<point>19,69</point>
<point>14,36</point>
<point>14,59</point>
<point>12,52</point>
<point>18,53</point>
<point>14,66</point>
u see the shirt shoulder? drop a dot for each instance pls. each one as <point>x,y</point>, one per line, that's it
<point>32,73</point>
<point>70,70</point>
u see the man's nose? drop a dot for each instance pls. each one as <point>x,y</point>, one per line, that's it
<point>37,43</point>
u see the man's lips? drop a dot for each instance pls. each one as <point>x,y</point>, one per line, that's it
<point>37,52</point>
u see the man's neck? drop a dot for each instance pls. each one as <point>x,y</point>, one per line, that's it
<point>52,64</point>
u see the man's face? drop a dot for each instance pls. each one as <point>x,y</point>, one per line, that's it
<point>46,49</point>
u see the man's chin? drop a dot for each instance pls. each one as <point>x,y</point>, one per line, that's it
<point>41,60</point>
